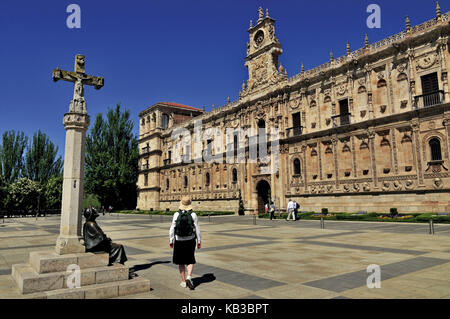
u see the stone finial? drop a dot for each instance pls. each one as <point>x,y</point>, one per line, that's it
<point>243,85</point>
<point>261,14</point>
<point>331,56</point>
<point>281,69</point>
<point>366,42</point>
<point>408,24</point>
<point>348,48</point>
<point>303,69</point>
<point>267,13</point>
<point>438,12</point>
<point>251,23</point>
<point>228,100</point>
<point>213,107</point>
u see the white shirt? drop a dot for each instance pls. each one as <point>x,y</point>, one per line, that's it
<point>181,238</point>
<point>291,205</point>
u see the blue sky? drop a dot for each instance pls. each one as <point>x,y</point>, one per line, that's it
<point>190,51</point>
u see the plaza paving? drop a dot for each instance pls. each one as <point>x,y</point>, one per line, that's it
<point>272,259</point>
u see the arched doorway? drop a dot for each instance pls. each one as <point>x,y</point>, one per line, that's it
<point>262,188</point>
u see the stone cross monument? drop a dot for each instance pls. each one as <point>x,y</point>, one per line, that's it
<point>76,123</point>
<point>49,274</point>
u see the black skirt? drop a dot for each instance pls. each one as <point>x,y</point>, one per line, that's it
<point>183,252</point>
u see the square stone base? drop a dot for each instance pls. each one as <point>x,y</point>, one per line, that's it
<point>50,275</point>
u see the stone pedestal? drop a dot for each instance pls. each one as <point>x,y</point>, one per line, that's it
<point>47,276</point>
<point>69,240</point>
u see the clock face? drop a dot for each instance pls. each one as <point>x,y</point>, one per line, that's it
<point>259,38</point>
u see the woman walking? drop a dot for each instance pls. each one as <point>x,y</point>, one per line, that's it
<point>184,234</point>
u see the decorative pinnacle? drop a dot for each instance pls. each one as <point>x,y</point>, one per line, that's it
<point>213,107</point>
<point>267,13</point>
<point>438,11</point>
<point>228,100</point>
<point>366,42</point>
<point>281,69</point>
<point>251,24</point>
<point>261,14</point>
<point>303,69</point>
<point>243,85</point>
<point>331,56</point>
<point>408,24</point>
<point>348,48</point>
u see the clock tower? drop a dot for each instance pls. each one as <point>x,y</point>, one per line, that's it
<point>263,50</point>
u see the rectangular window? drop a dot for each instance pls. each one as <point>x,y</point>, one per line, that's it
<point>343,112</point>
<point>296,123</point>
<point>430,88</point>
<point>165,121</point>
<point>145,179</point>
<point>209,145</point>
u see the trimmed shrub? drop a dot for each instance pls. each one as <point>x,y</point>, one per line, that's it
<point>325,211</point>
<point>393,212</point>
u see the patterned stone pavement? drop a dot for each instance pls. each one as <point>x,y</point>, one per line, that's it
<point>272,259</point>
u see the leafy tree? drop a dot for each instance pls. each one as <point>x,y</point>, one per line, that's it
<point>111,166</point>
<point>52,192</point>
<point>3,192</point>
<point>41,161</point>
<point>91,201</point>
<point>11,155</point>
<point>24,194</point>
<point>241,210</point>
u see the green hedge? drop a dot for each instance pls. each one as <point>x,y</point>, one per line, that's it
<point>373,217</point>
<point>170,213</point>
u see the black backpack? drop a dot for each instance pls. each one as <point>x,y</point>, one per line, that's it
<point>185,224</point>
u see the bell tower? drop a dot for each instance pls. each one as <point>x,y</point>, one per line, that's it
<point>263,50</point>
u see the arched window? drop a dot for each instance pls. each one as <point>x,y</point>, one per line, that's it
<point>297,167</point>
<point>185,181</point>
<point>207,179</point>
<point>234,175</point>
<point>165,121</point>
<point>435,148</point>
<point>167,184</point>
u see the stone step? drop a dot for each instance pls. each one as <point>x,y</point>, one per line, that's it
<point>49,261</point>
<point>98,291</point>
<point>29,281</point>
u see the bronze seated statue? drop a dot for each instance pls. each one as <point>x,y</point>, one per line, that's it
<point>95,240</point>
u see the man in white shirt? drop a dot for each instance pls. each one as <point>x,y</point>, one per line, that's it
<point>184,246</point>
<point>290,209</point>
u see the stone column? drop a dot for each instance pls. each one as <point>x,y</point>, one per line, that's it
<point>76,125</point>
<point>334,141</point>
<point>371,135</point>
<point>416,145</point>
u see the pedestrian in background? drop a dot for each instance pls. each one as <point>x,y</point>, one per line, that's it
<point>290,209</point>
<point>296,207</point>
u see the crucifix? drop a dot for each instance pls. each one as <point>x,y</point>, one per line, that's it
<point>79,78</point>
<point>76,123</point>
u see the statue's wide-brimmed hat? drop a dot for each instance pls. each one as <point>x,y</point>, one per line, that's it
<point>185,203</point>
<point>90,213</point>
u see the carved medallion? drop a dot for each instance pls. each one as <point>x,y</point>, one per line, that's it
<point>427,62</point>
<point>341,89</point>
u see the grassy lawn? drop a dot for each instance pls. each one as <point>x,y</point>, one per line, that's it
<point>371,217</point>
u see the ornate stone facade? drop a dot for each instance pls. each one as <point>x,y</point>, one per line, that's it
<point>366,131</point>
